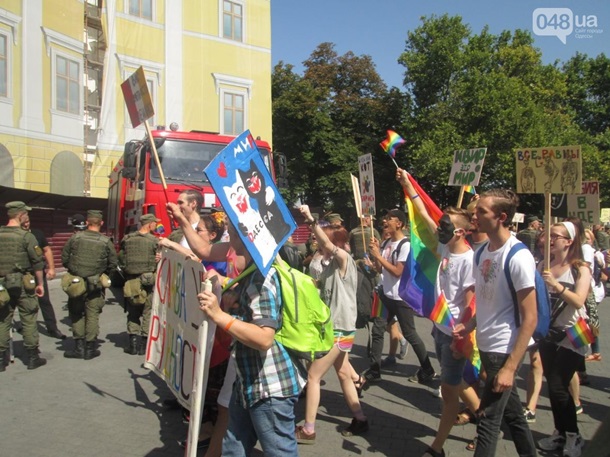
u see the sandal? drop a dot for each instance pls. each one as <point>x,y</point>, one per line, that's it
<point>597,357</point>
<point>472,445</point>
<point>465,417</point>
<point>360,384</point>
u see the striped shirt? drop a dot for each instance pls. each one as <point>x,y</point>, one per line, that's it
<point>262,375</point>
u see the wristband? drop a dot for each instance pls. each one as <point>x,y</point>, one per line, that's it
<point>562,290</point>
<point>230,323</point>
<point>415,196</point>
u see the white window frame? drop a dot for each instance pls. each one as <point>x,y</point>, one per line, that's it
<point>232,85</point>
<point>144,20</point>
<point>221,20</point>
<point>55,53</point>
<point>223,127</point>
<point>10,22</point>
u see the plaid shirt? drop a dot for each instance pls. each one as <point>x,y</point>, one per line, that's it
<point>262,375</point>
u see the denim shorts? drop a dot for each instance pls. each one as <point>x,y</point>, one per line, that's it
<point>452,369</point>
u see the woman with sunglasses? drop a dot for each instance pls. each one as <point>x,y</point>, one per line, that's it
<point>568,280</point>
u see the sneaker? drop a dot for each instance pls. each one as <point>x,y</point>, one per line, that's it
<point>551,443</point>
<point>304,438</point>
<point>422,377</point>
<point>404,349</point>
<point>356,428</point>
<point>579,409</point>
<point>388,361</point>
<point>573,446</point>
<point>530,416</point>
<point>371,377</point>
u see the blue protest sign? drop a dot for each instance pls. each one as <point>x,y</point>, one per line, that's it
<point>251,200</point>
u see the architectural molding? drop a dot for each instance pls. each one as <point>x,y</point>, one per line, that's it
<point>11,21</point>
<point>52,37</point>
<point>249,47</point>
<point>220,79</point>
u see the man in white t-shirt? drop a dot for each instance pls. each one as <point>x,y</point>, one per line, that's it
<point>190,202</point>
<point>501,339</point>
<point>390,258</point>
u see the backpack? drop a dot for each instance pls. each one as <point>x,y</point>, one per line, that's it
<point>597,270</point>
<point>364,295</point>
<point>306,329</point>
<point>543,299</point>
<point>396,251</point>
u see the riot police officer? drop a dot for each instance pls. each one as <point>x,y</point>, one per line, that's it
<point>21,284</point>
<point>138,258</point>
<point>90,258</point>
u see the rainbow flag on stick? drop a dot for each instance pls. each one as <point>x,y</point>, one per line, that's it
<point>391,143</point>
<point>377,308</point>
<point>470,189</point>
<point>468,346</point>
<point>440,313</point>
<point>580,334</point>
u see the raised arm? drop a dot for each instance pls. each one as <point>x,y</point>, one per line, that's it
<point>403,178</point>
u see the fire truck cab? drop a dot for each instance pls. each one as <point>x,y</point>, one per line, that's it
<point>136,188</point>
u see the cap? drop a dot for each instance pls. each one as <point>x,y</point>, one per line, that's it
<point>17,207</point>
<point>78,222</point>
<point>217,209</point>
<point>333,218</point>
<point>95,213</point>
<point>531,219</point>
<point>401,216</point>
<point>148,218</point>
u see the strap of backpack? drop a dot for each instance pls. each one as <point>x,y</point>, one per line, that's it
<point>477,254</point>
<point>516,248</point>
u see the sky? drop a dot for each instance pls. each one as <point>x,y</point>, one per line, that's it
<point>379,28</point>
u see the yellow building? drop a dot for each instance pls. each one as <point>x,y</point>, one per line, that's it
<point>63,120</point>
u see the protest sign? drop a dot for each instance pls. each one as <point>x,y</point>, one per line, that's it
<point>467,167</point>
<point>251,200</point>
<point>367,184</point>
<point>176,322</point>
<point>605,215</point>
<point>584,205</point>
<point>549,170</point>
<point>137,98</point>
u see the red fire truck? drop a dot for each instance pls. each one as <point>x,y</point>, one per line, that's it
<point>135,183</point>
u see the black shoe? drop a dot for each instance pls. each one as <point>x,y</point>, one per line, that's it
<point>132,345</point>
<point>55,333</point>
<point>91,351</point>
<point>78,352</point>
<point>422,377</point>
<point>34,360</point>
<point>356,428</point>
<point>201,444</point>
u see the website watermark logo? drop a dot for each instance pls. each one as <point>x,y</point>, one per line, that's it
<point>562,22</point>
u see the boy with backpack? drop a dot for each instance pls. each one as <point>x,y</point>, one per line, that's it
<point>501,339</point>
<point>269,380</point>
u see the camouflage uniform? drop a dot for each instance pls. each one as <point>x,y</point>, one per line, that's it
<point>88,254</point>
<point>19,254</point>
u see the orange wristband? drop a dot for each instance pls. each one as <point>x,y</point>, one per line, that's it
<point>228,326</point>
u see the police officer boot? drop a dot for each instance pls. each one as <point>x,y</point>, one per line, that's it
<point>79,350</point>
<point>142,345</point>
<point>34,360</point>
<point>4,359</point>
<point>132,346</point>
<point>90,351</point>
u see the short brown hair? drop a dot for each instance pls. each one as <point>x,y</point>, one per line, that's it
<point>504,201</point>
<point>462,217</point>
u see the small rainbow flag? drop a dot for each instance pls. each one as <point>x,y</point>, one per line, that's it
<point>160,230</point>
<point>377,308</point>
<point>470,189</point>
<point>391,143</point>
<point>468,346</point>
<point>580,334</point>
<point>440,313</point>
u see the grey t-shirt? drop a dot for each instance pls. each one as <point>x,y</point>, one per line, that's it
<point>340,293</point>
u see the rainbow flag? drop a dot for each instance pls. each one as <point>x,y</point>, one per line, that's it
<point>470,189</point>
<point>468,347</point>
<point>580,334</point>
<point>391,143</point>
<point>418,280</point>
<point>160,229</point>
<point>377,308</point>
<point>440,313</point>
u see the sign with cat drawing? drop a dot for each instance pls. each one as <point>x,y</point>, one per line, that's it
<point>251,200</point>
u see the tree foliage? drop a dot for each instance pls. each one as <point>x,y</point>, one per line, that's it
<point>462,90</point>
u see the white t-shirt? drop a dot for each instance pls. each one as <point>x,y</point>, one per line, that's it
<point>183,242</point>
<point>599,290</point>
<point>453,278</point>
<point>390,282</point>
<point>496,327</point>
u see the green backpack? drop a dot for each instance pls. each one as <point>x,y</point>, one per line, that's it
<point>306,329</point>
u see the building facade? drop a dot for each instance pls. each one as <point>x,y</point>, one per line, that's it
<point>63,120</point>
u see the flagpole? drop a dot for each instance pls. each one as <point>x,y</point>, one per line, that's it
<point>461,197</point>
<point>397,167</point>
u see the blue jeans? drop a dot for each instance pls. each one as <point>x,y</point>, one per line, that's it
<point>452,369</point>
<point>270,421</point>
<point>496,406</point>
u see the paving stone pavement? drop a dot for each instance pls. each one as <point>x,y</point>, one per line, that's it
<point>112,406</point>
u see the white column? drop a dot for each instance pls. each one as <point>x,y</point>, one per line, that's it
<point>31,67</point>
<point>108,136</point>
<point>174,97</point>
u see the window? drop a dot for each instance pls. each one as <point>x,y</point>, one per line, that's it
<point>67,82</point>
<point>141,8</point>
<point>233,112</point>
<point>3,66</point>
<point>232,21</point>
